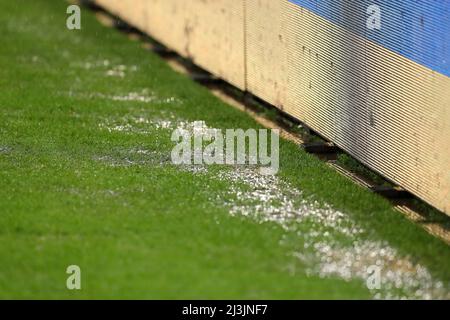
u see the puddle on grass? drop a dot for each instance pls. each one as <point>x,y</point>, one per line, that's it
<point>90,65</point>
<point>109,68</point>
<point>117,71</point>
<point>89,194</point>
<point>144,125</point>
<point>131,96</point>
<point>269,199</point>
<point>140,156</point>
<point>143,96</point>
<point>5,149</point>
<point>131,124</point>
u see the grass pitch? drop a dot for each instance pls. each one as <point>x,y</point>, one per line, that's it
<point>86,179</point>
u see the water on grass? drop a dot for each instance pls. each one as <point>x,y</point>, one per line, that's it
<point>109,68</point>
<point>5,149</point>
<point>144,125</point>
<point>333,244</point>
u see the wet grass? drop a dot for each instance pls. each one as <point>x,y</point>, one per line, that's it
<point>75,192</point>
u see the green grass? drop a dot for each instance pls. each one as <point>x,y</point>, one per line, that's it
<point>147,229</point>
